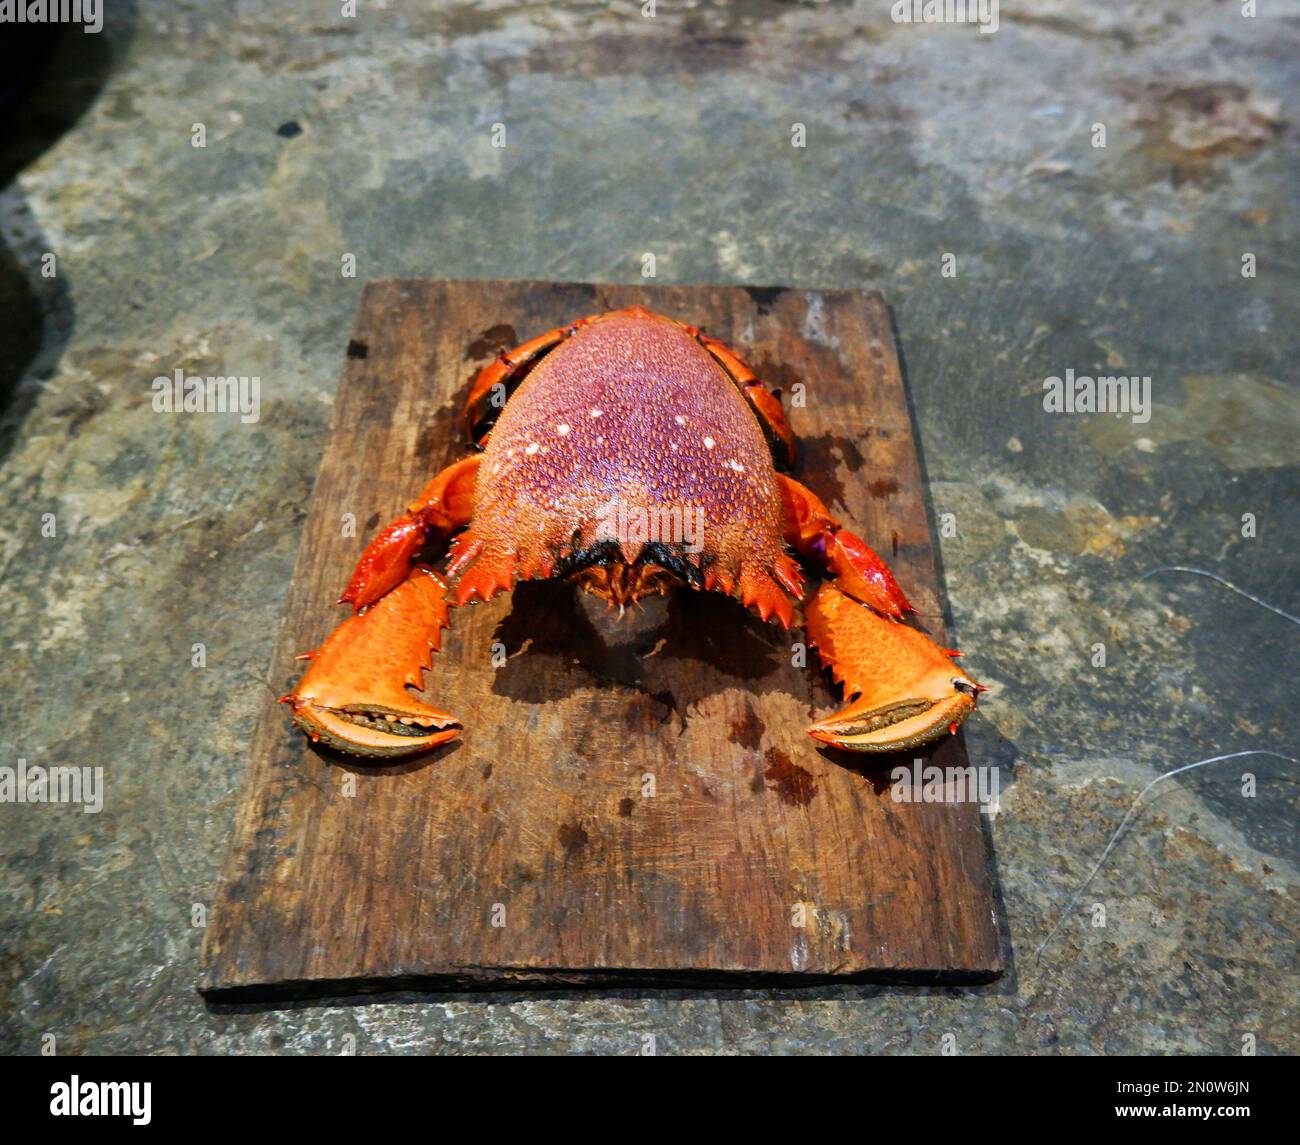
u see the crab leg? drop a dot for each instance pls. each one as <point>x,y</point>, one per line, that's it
<point>812,532</point>
<point>355,695</point>
<point>508,366</point>
<point>908,691</point>
<point>445,505</point>
<point>765,403</point>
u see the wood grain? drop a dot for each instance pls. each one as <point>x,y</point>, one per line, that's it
<point>530,851</point>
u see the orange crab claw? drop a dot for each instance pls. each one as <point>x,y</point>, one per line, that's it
<point>386,561</point>
<point>355,695</point>
<point>812,532</point>
<point>908,691</point>
<point>863,575</point>
<point>445,504</point>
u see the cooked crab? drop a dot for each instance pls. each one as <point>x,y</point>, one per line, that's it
<point>630,454</point>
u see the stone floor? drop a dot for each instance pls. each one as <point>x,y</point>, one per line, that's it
<point>673,135</point>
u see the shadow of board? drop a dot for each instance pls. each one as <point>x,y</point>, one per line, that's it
<point>50,75</point>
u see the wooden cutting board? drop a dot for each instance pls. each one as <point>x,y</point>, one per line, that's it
<point>634,800</point>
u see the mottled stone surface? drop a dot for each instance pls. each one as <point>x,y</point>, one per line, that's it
<point>672,135</point>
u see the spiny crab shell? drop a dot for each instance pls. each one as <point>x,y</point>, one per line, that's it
<point>630,421</point>
<point>631,454</point>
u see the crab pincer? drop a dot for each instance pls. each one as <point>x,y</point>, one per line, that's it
<point>907,690</point>
<point>356,694</point>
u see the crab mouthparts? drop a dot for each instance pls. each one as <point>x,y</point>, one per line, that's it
<point>622,584</point>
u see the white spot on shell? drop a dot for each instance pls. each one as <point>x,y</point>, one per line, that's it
<point>679,420</point>
<point>562,429</point>
<point>595,412</point>
<point>709,443</point>
<point>533,447</point>
<point>736,465</point>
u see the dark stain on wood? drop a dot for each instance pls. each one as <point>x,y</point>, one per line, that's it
<point>791,782</point>
<point>747,732</point>
<point>765,297</point>
<point>393,884</point>
<point>850,454</point>
<point>780,377</point>
<point>493,341</point>
<point>572,837</point>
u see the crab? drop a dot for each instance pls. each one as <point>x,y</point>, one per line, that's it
<point>631,454</point>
